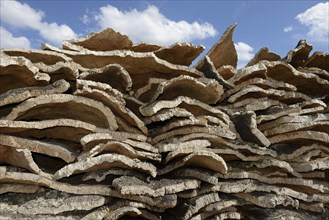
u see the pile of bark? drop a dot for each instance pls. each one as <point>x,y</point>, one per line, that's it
<point>108,129</point>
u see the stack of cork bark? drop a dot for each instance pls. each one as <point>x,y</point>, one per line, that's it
<point>108,129</point>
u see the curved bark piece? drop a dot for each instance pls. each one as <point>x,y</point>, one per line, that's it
<point>299,55</point>
<point>51,107</point>
<point>255,91</point>
<point>145,47</point>
<point>223,52</point>
<point>318,164</point>
<point>20,158</point>
<point>225,153</point>
<point>33,179</point>
<point>182,145</point>
<point>167,201</point>
<point>194,106</point>
<point>203,159</point>
<point>123,203</point>
<point>135,140</point>
<point>105,40</point>
<point>202,89</point>
<point>100,175</point>
<point>232,155</point>
<point>294,120</point>
<point>202,121</point>
<point>220,143</point>
<point>227,71</point>
<point>312,185</point>
<point>254,104</point>
<point>312,106</point>
<point>269,200</point>
<point>20,188</point>
<point>125,118</point>
<point>114,93</point>
<point>314,175</point>
<point>217,215</point>
<point>206,66</point>
<point>183,152</point>
<point>167,114</point>
<point>48,205</point>
<point>38,56</point>
<point>146,92</point>
<point>313,155</point>
<point>251,91</point>
<point>266,83</point>
<point>122,206</point>
<point>180,53</point>
<point>307,83</point>
<point>18,95</point>
<point>223,204</point>
<point>199,202</point>
<point>61,70</point>
<point>104,161</point>
<point>162,202</point>
<point>28,75</point>
<point>256,71</point>
<point>64,203</point>
<point>129,212</point>
<point>264,165</point>
<point>196,173</point>
<point>119,148</point>
<point>137,64</point>
<point>279,213</point>
<point>221,131</point>
<point>133,186</point>
<point>263,54</point>
<point>318,60</point>
<point>276,112</point>
<point>113,74</point>
<point>246,125</point>
<point>297,154</point>
<point>301,137</point>
<point>250,186</point>
<point>52,149</point>
<point>133,104</point>
<point>64,129</point>
<point>319,72</point>
<point>309,125</point>
<point>272,162</point>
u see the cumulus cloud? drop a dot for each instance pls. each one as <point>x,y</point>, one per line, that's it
<point>244,53</point>
<point>7,40</point>
<point>151,26</point>
<point>287,29</point>
<point>317,20</point>
<point>21,15</point>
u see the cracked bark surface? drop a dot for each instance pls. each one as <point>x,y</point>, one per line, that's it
<point>108,129</point>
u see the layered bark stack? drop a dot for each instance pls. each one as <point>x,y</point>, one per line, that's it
<point>106,129</point>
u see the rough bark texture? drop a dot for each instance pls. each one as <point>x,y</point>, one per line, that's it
<point>108,129</point>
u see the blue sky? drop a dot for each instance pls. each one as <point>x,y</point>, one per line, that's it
<point>277,25</point>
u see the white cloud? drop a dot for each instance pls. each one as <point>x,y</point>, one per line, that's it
<point>244,53</point>
<point>7,40</point>
<point>317,20</point>
<point>85,19</point>
<point>287,29</point>
<point>152,26</point>
<point>56,33</point>
<point>21,15</point>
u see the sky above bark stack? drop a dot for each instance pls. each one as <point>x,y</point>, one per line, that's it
<point>275,24</point>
